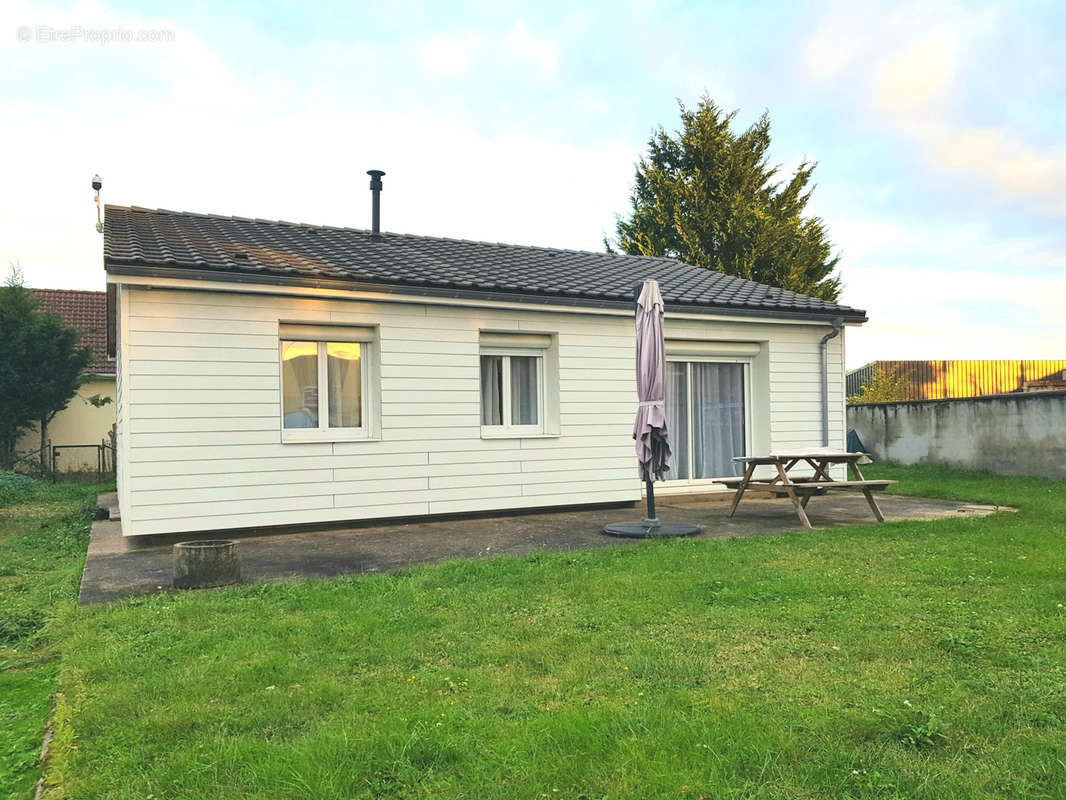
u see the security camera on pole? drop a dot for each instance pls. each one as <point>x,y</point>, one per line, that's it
<point>97,185</point>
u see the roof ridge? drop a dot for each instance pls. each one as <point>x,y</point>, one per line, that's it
<point>264,221</point>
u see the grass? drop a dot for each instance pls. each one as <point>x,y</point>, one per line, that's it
<point>918,660</point>
<point>44,530</point>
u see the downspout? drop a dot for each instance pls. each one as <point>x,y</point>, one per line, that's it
<point>823,348</point>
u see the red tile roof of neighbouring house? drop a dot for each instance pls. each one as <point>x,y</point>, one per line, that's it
<point>85,311</point>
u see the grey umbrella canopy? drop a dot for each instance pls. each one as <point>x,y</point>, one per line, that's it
<point>650,429</point>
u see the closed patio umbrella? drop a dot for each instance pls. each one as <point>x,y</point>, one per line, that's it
<point>650,430</point>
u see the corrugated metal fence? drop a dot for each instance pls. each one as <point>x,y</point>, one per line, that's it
<point>858,378</point>
<point>937,380</point>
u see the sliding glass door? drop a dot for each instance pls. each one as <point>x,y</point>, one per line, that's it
<point>707,417</point>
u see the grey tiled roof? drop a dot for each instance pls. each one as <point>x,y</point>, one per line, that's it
<point>234,248</point>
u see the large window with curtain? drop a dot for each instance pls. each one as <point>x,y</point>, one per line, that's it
<point>707,416</point>
<point>323,389</point>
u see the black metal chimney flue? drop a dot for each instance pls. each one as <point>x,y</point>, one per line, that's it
<point>375,188</point>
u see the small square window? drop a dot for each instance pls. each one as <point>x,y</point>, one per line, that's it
<point>322,389</point>
<point>512,392</point>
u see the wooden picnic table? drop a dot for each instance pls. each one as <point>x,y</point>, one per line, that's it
<point>800,490</point>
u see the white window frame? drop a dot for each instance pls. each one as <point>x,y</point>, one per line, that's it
<point>688,360</point>
<point>324,432</point>
<point>508,430</point>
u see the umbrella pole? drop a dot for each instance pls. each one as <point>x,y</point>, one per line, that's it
<point>652,521</point>
<point>649,527</point>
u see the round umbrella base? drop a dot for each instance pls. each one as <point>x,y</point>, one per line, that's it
<point>639,530</point>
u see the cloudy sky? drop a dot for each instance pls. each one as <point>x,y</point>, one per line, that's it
<point>937,128</point>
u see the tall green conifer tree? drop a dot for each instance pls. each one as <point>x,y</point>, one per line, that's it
<point>709,197</point>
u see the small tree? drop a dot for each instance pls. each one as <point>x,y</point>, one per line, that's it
<point>17,314</point>
<point>41,366</point>
<point>57,347</point>
<point>709,197</point>
<point>884,386</point>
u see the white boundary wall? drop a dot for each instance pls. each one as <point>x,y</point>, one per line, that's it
<point>1012,434</point>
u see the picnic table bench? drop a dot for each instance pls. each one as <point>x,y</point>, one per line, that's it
<point>800,489</point>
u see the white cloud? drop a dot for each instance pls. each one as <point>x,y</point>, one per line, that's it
<point>923,314</point>
<point>833,44</point>
<point>519,49</point>
<point>856,39</point>
<point>461,182</point>
<point>450,55</point>
<point>997,157</point>
<point>916,77</point>
<point>175,142</point>
<point>861,239</point>
<point>99,125</point>
<point>909,65</point>
<point>986,297</point>
<point>869,243</point>
<point>530,49</point>
<point>593,104</point>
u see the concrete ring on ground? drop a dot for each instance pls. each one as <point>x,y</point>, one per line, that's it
<point>205,563</point>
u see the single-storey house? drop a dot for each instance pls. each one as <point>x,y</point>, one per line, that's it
<point>272,373</point>
<point>81,422</point>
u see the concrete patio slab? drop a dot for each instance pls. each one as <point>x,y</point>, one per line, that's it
<point>117,566</point>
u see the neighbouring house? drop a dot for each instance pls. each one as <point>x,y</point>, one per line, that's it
<point>273,373</point>
<point>942,380</point>
<point>81,422</point>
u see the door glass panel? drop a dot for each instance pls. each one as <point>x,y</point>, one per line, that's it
<point>718,419</point>
<point>299,384</point>
<point>524,392</point>
<point>677,418</point>
<point>344,375</point>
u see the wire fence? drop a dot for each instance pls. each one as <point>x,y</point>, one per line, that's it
<point>72,462</point>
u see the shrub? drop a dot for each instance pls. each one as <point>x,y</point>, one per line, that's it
<point>15,488</point>
<point>885,386</point>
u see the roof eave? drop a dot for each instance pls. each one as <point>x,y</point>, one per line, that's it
<point>127,267</point>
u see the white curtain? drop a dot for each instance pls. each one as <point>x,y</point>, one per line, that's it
<point>717,419</point>
<point>299,376</point>
<point>677,418</point>
<point>344,378</point>
<point>492,390</point>
<point>523,390</point>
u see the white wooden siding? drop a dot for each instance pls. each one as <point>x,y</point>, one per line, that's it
<point>122,382</point>
<point>199,405</point>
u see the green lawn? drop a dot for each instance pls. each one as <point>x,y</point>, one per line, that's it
<point>923,660</point>
<point>44,530</point>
